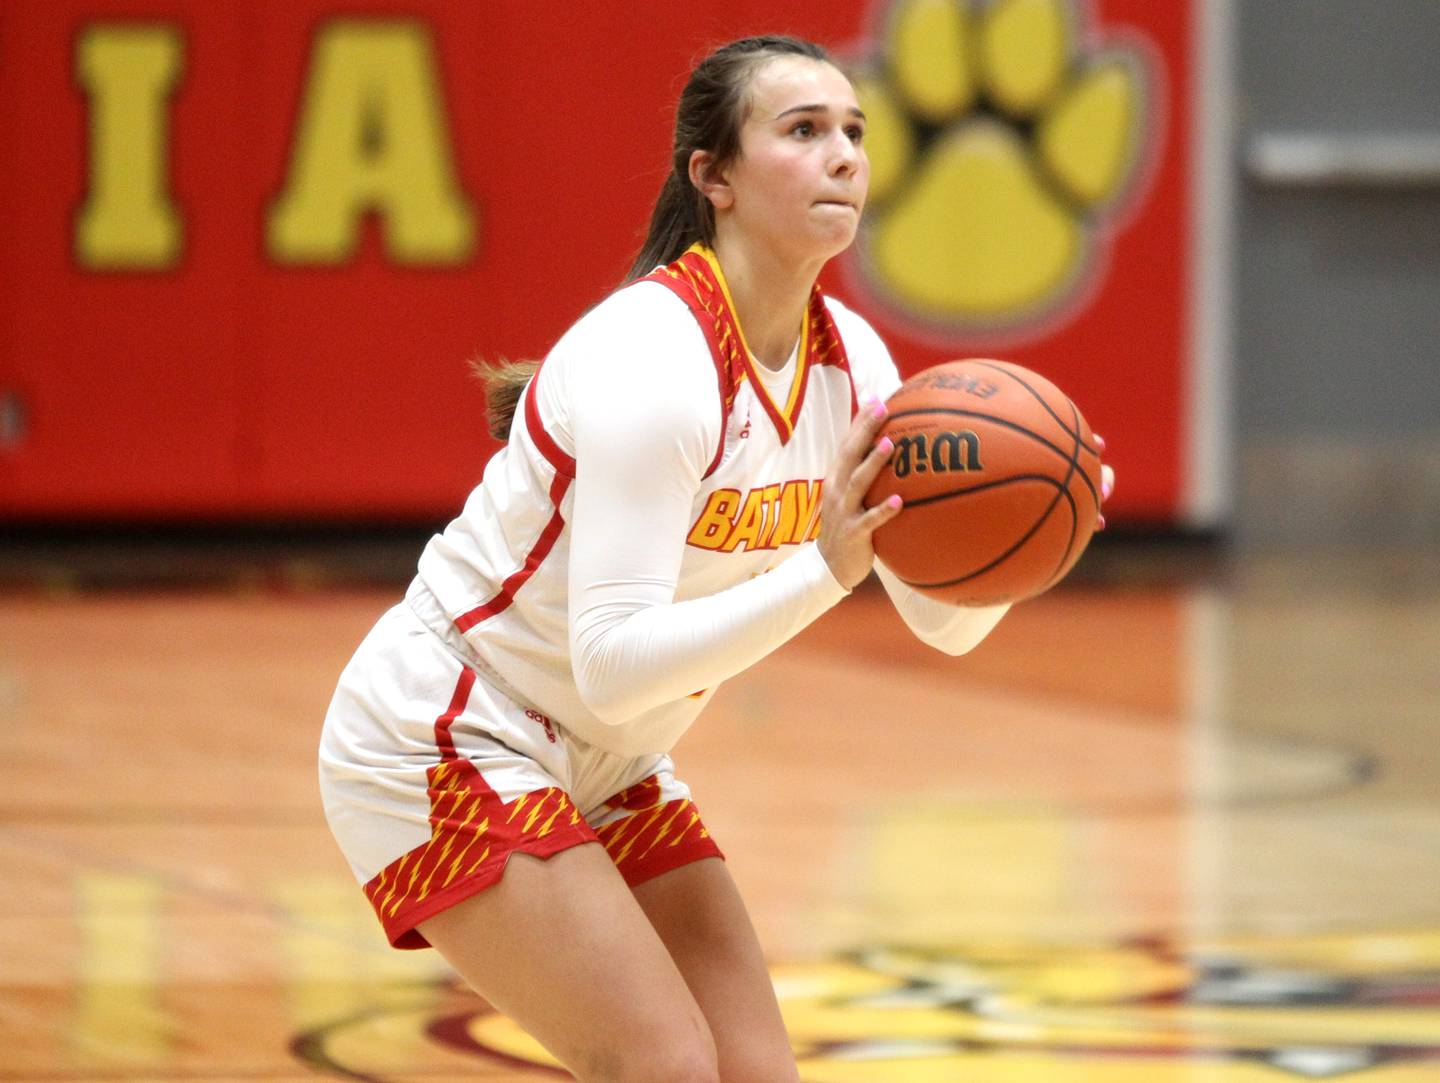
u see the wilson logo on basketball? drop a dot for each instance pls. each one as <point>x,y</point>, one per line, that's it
<point>947,451</point>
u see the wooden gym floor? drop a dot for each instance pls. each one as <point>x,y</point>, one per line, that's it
<point>1177,820</point>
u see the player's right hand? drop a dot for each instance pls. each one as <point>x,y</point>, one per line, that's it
<point>846,525</point>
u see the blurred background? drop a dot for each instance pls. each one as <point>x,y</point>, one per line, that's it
<point>248,250</point>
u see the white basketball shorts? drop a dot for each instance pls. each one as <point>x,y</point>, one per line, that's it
<point>432,777</point>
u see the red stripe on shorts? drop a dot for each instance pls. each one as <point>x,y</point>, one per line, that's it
<point>564,473</point>
<point>472,834</point>
<point>443,740</point>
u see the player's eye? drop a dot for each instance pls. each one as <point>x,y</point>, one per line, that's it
<point>804,129</point>
<point>856,132</point>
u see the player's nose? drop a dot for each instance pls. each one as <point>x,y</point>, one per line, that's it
<point>845,155</point>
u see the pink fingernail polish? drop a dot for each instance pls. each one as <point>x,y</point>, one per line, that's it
<point>879,409</point>
<point>893,500</point>
<point>886,445</point>
<point>1100,523</point>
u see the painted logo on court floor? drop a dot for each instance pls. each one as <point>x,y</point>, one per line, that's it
<point>1361,1007</point>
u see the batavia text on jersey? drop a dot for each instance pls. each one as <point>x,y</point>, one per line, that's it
<point>786,513</point>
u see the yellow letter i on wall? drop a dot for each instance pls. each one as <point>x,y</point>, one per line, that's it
<point>372,137</point>
<point>128,220</point>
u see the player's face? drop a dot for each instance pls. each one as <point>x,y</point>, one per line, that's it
<point>800,179</point>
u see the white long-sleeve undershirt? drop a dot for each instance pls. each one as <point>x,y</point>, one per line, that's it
<point>640,460</point>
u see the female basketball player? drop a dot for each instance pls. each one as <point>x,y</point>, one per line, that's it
<point>605,577</point>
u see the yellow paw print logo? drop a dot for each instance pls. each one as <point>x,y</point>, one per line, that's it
<point>997,153</point>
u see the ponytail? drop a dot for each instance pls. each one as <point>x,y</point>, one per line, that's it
<point>713,107</point>
<point>678,221</point>
<point>504,384</point>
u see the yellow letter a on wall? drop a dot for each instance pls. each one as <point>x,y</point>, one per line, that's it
<point>371,137</point>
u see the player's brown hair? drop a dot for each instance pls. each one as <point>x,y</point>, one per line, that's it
<point>712,109</point>
<point>504,383</point>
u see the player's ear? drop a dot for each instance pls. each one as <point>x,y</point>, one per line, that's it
<point>710,181</point>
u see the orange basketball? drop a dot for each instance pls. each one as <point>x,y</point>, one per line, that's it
<point>1000,476</point>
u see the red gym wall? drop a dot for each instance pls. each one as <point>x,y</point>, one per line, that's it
<point>248,246</point>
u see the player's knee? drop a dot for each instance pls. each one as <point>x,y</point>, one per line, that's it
<point>694,1064</point>
<point>684,1056</point>
<point>761,1066</point>
<point>778,1072</point>
<point>670,1066</point>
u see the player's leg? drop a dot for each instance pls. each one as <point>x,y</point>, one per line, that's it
<point>447,799</point>
<point>702,921</point>
<point>561,947</point>
<point>655,836</point>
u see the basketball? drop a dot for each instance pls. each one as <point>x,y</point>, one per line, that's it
<point>1000,478</point>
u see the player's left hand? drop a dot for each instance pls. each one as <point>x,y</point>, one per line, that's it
<point>1107,480</point>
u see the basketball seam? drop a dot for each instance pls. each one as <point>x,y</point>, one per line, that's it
<point>1041,400</point>
<point>1074,511</point>
<point>1075,433</point>
<point>921,501</point>
<point>1018,545</point>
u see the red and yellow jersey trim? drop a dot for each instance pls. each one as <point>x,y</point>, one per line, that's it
<point>697,278</point>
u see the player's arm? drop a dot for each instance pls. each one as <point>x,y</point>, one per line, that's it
<point>644,434</point>
<point>950,628</point>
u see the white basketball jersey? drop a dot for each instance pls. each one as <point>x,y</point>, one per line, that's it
<point>693,470</point>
